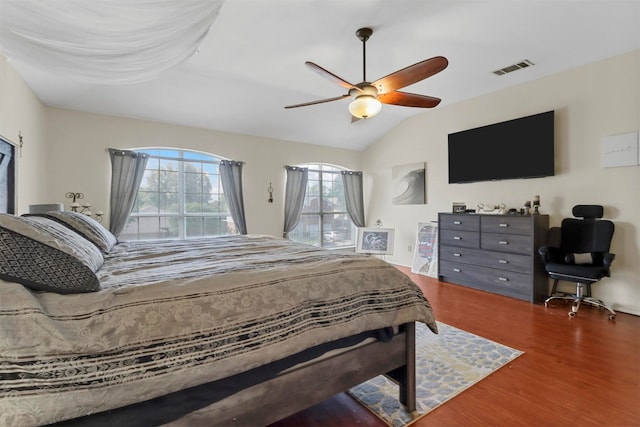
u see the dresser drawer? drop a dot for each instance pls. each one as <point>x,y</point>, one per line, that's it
<point>459,273</point>
<point>482,258</point>
<point>505,224</point>
<point>503,282</point>
<point>467,222</point>
<point>512,243</point>
<point>467,239</point>
<point>507,280</point>
<point>461,254</point>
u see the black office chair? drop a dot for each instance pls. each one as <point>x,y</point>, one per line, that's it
<point>581,256</point>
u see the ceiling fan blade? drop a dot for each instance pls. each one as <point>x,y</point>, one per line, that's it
<point>409,99</point>
<point>329,75</point>
<point>321,101</point>
<point>411,74</point>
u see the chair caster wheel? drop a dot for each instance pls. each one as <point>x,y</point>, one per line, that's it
<point>612,317</point>
<point>572,314</point>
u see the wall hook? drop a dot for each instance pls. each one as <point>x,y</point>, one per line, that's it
<point>20,142</point>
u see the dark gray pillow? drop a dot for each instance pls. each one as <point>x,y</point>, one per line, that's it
<point>46,256</point>
<point>84,225</point>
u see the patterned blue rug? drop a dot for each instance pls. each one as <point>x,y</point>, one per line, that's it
<point>446,365</point>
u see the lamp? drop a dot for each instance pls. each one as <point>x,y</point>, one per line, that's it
<point>365,106</point>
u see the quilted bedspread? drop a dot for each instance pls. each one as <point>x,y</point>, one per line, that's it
<point>172,315</point>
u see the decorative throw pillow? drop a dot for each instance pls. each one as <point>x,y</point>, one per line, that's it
<point>583,258</point>
<point>576,258</point>
<point>46,256</point>
<point>84,225</point>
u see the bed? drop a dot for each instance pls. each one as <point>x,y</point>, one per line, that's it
<point>232,330</point>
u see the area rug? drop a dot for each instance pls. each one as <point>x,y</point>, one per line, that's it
<point>446,365</point>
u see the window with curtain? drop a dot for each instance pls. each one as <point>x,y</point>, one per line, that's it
<point>7,177</point>
<point>324,220</point>
<point>180,197</point>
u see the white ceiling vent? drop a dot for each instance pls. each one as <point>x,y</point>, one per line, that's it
<point>520,65</point>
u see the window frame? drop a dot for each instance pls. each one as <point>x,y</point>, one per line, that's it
<point>183,156</point>
<point>321,214</point>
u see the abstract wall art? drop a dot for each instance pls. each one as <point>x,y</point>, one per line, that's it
<point>409,184</point>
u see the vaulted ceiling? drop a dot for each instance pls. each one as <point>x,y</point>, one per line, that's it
<point>250,62</point>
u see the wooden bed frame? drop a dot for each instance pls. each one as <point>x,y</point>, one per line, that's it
<point>300,388</point>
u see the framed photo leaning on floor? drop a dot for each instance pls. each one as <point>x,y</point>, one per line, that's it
<point>377,241</point>
<point>425,256</point>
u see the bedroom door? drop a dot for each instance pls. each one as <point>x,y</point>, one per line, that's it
<point>7,177</point>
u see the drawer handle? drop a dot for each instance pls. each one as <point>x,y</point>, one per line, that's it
<point>503,279</point>
<point>503,261</point>
<point>457,238</point>
<point>504,225</point>
<point>457,270</point>
<point>457,222</point>
<point>456,254</point>
<point>503,242</point>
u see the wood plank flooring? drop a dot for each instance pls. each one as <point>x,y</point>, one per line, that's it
<point>583,371</point>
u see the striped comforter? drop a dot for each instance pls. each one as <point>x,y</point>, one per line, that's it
<point>172,315</point>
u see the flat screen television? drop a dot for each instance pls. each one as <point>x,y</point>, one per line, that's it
<point>519,148</point>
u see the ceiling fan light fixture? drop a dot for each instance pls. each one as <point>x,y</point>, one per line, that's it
<point>365,106</point>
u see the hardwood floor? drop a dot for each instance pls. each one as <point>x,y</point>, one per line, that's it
<point>583,371</point>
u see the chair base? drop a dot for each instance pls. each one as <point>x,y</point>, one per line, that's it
<point>577,300</point>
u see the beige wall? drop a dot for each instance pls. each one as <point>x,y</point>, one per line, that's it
<point>65,151</point>
<point>22,113</point>
<point>81,140</point>
<point>590,102</point>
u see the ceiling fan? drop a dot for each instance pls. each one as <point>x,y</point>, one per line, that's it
<point>369,97</point>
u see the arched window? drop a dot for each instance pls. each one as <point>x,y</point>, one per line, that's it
<point>180,197</point>
<point>324,220</point>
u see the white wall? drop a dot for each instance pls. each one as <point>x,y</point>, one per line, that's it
<point>80,162</point>
<point>590,102</point>
<point>22,113</point>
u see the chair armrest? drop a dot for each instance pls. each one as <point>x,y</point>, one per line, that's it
<point>544,253</point>
<point>607,259</point>
<point>550,254</point>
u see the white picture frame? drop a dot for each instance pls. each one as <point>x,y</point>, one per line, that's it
<point>621,150</point>
<point>378,241</point>
<point>425,256</point>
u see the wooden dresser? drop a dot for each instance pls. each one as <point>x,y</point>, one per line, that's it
<point>494,253</point>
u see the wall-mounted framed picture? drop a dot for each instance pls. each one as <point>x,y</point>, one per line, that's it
<point>375,240</point>
<point>409,184</point>
<point>621,150</point>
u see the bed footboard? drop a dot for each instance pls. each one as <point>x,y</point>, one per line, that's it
<point>300,388</point>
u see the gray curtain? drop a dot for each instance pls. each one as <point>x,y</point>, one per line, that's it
<point>294,196</point>
<point>231,176</point>
<point>127,170</point>
<point>353,196</point>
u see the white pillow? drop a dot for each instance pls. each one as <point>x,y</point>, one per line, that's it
<point>85,226</point>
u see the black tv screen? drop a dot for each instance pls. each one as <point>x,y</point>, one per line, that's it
<point>519,148</point>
